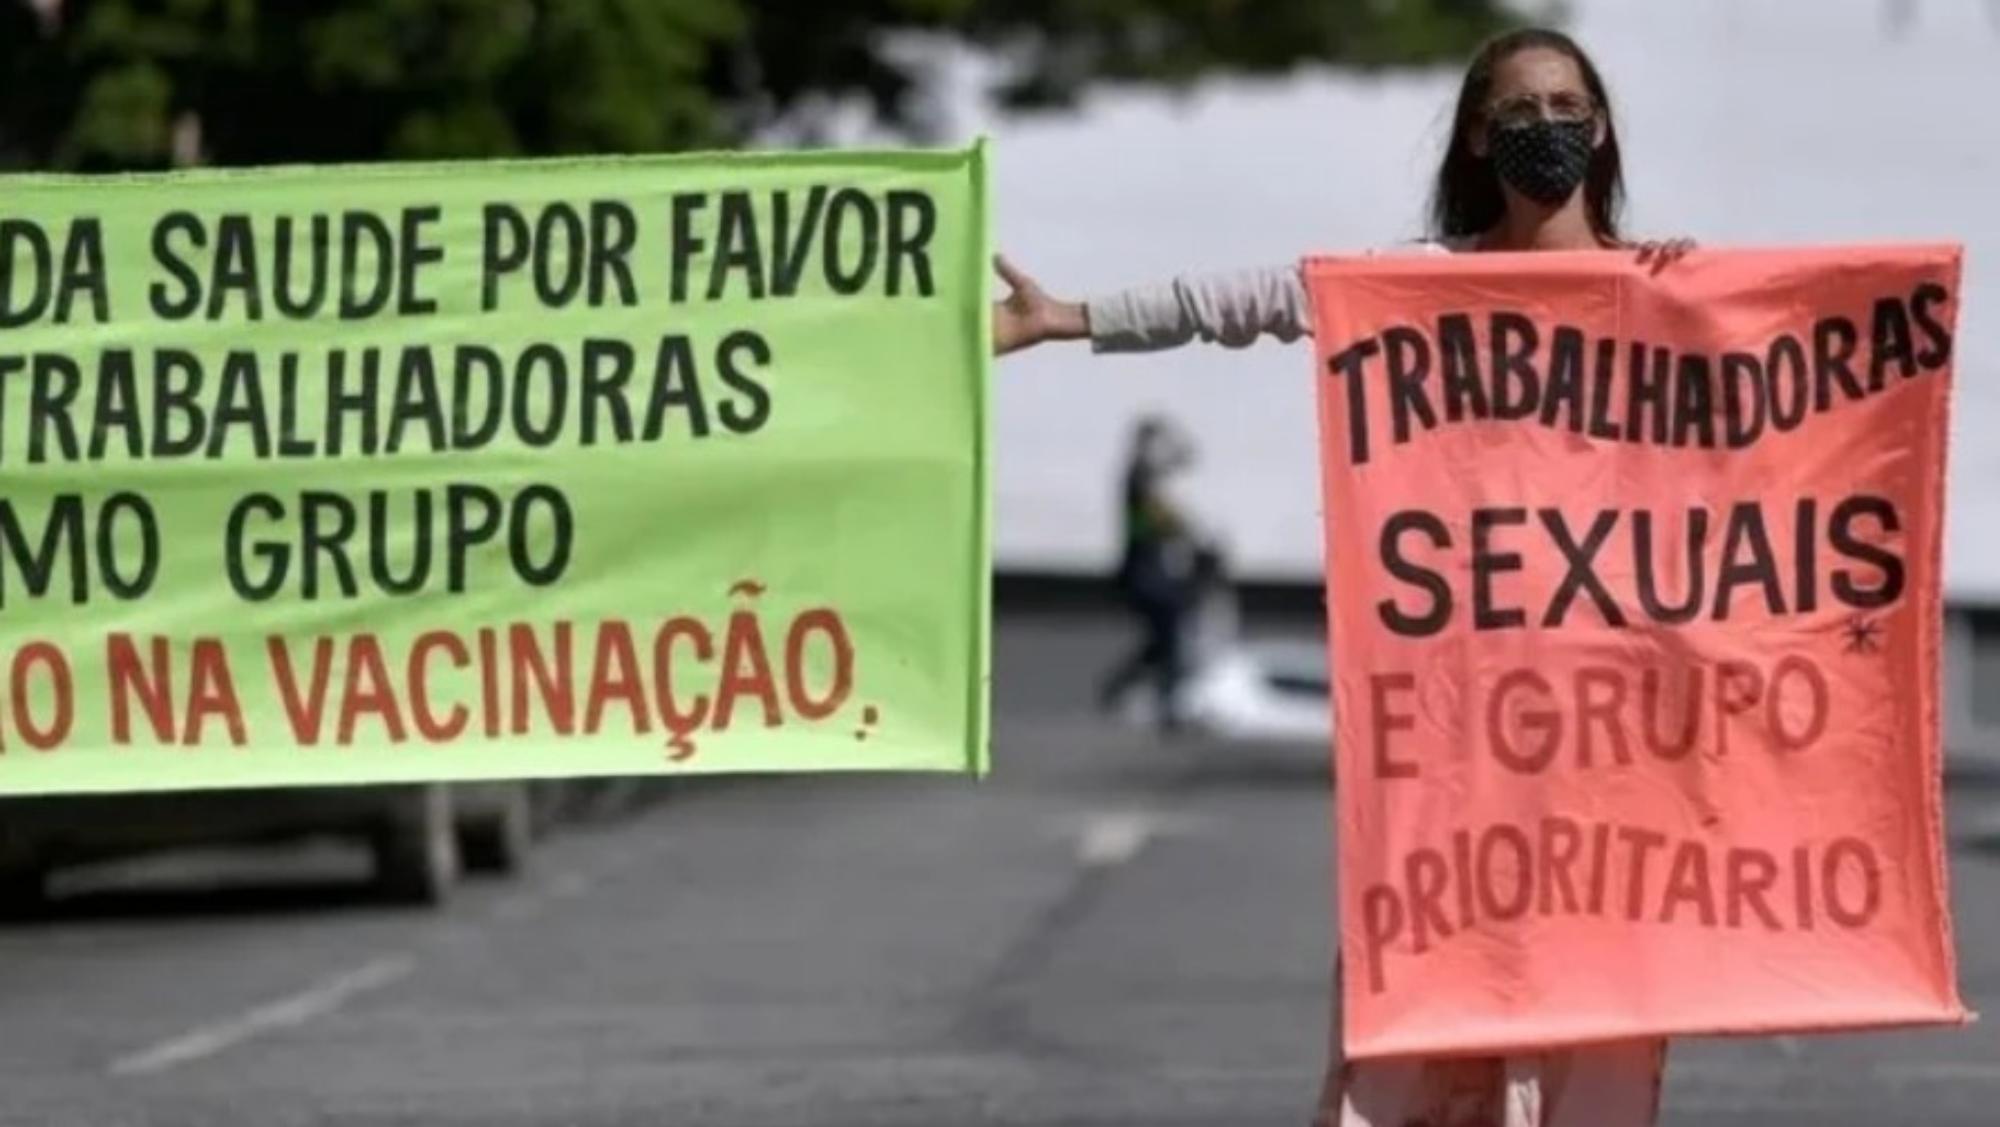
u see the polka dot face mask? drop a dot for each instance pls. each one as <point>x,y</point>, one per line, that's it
<point>1543,160</point>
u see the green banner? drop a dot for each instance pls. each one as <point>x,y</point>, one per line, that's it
<point>494,470</point>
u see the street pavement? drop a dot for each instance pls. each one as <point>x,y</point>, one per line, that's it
<point>1105,932</point>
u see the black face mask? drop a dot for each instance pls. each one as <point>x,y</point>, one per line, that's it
<point>1543,160</point>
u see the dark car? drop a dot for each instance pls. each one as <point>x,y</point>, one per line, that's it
<point>421,836</point>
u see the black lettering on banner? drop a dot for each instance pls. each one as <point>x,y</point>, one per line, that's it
<point>1394,617</point>
<point>794,247</point>
<point>419,252</point>
<point>1744,399</point>
<point>20,238</point>
<point>326,523</point>
<point>749,413</point>
<point>168,303</point>
<point>1579,559</point>
<point>239,402</point>
<point>845,276</point>
<point>1806,556</point>
<point>56,384</point>
<point>1517,388</point>
<point>614,230</point>
<point>675,384</point>
<point>1464,389</point>
<point>356,399</point>
<point>1694,403</point>
<point>82,270</point>
<point>1937,338</point>
<point>1846,541</point>
<point>235,269</point>
<point>1486,563</point>
<point>607,369</point>
<point>1649,381</point>
<point>1565,387</point>
<point>359,229</point>
<point>1602,378</point>
<point>473,516</point>
<point>1835,340</point>
<point>1790,382</point>
<point>1347,364</point>
<point>110,558</point>
<point>177,383</point>
<point>9,366</point>
<point>276,559</point>
<point>504,249</point>
<point>1647,568</point>
<point>418,402</point>
<point>290,443</point>
<point>1407,357</point>
<point>1890,344</point>
<point>558,540</point>
<point>478,378</point>
<point>1746,531</point>
<point>912,225</point>
<point>61,543</point>
<point>294,305</point>
<point>382,527</point>
<point>116,405</point>
<point>737,248</point>
<point>552,393</point>
<point>559,255</point>
<point>687,244</point>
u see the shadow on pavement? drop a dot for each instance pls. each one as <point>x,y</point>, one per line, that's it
<point>197,900</point>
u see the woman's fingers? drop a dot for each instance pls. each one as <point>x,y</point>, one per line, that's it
<point>1661,254</point>
<point>1011,274</point>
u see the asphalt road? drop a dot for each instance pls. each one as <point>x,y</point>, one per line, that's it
<point>1106,932</point>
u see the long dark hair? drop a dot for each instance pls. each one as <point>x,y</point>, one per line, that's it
<point>1467,200</point>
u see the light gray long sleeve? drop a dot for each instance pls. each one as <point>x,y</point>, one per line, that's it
<point>1231,309</point>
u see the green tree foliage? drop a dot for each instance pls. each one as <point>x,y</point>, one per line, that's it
<point>121,83</point>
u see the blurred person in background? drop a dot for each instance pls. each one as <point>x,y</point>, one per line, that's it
<point>1533,164</point>
<point>1155,569</point>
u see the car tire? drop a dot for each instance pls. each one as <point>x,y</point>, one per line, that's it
<point>416,849</point>
<point>499,840</point>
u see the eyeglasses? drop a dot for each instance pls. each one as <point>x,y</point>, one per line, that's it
<point>1526,109</point>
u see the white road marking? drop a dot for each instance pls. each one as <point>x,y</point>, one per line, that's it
<point>1112,839</point>
<point>1109,837</point>
<point>317,1000</point>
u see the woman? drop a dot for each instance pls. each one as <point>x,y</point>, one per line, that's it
<point>1532,165</point>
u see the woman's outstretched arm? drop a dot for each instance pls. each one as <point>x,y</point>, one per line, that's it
<point>1232,309</point>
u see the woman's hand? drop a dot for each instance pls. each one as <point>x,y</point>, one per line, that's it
<point>1028,315</point>
<point>1660,254</point>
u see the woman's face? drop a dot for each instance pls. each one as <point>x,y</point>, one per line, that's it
<point>1533,84</point>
